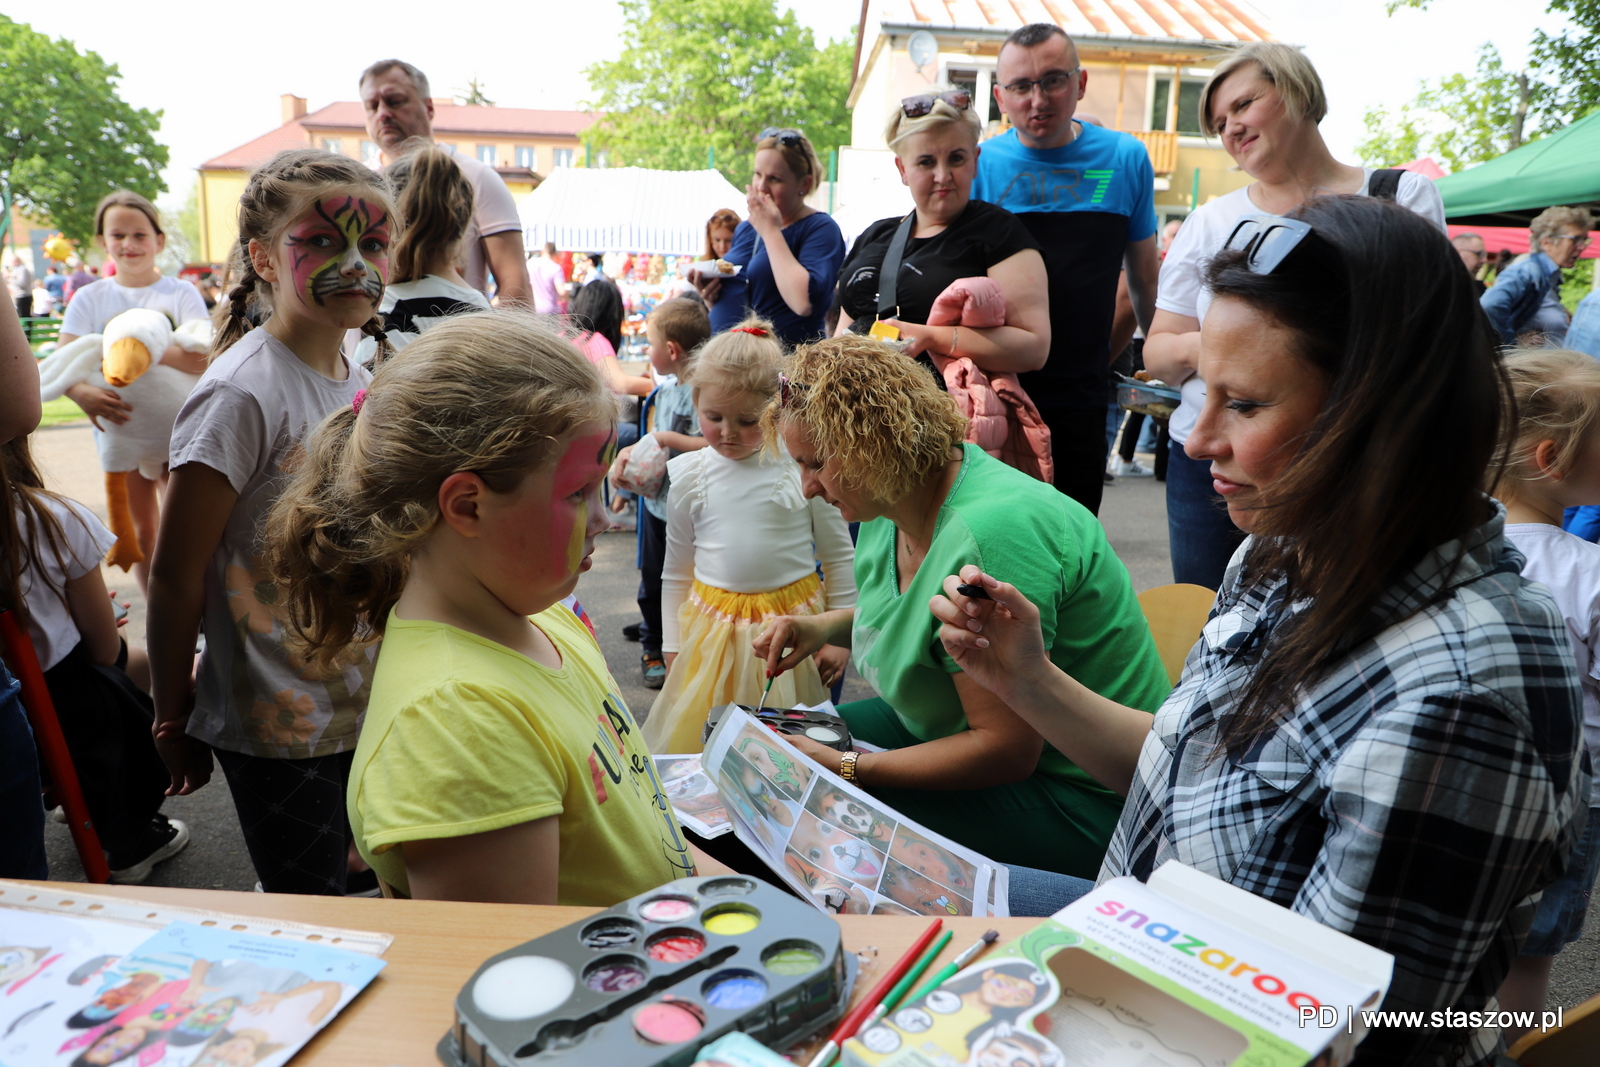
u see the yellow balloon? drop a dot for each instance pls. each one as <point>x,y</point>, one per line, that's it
<point>57,247</point>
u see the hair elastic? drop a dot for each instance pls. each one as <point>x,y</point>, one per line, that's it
<point>753,331</point>
<point>356,401</point>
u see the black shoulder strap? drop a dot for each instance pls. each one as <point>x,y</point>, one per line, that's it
<point>1384,184</point>
<point>889,273</point>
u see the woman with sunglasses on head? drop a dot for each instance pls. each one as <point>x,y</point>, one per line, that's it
<point>790,251</point>
<point>1380,725</point>
<point>948,237</point>
<point>1263,102</point>
<point>1524,304</point>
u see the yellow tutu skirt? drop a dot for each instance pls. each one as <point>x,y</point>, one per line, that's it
<point>715,664</point>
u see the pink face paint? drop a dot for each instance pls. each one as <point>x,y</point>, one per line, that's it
<point>578,470</point>
<point>339,251</point>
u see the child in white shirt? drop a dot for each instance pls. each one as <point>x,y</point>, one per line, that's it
<point>743,545</point>
<point>1555,464</point>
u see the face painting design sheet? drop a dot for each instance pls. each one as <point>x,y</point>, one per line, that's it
<point>845,851</point>
<point>190,996</point>
<point>693,795</point>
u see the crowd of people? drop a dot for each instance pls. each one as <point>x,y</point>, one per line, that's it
<point>384,489</point>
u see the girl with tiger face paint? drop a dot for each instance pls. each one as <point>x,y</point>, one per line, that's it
<point>329,266</point>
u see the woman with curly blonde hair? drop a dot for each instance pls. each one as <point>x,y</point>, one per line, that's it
<point>876,437</point>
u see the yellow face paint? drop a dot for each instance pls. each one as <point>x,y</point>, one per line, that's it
<point>580,523</point>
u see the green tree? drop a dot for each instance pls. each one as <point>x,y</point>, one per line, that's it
<point>1569,62</point>
<point>66,138</point>
<point>473,94</point>
<point>183,232</point>
<point>1459,120</point>
<point>710,75</point>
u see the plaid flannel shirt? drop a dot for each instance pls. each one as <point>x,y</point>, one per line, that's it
<point>1418,796</point>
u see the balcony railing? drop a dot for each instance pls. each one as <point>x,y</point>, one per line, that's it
<point>1163,148</point>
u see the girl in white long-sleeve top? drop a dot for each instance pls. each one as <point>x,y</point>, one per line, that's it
<point>743,544</point>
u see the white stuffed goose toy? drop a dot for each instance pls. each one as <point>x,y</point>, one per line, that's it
<point>127,359</point>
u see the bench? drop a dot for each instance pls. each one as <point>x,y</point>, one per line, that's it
<point>41,331</point>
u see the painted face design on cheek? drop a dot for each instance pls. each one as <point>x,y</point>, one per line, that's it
<point>585,458</point>
<point>340,251</point>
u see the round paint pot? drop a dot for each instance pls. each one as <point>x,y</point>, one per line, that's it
<point>610,932</point>
<point>825,735</point>
<point>734,990</point>
<point>730,920</point>
<point>522,987</point>
<point>727,887</point>
<point>616,974</point>
<point>666,909</point>
<point>675,946</point>
<point>669,1021</point>
<point>792,957</point>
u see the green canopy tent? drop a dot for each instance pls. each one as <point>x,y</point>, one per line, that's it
<point>1563,168</point>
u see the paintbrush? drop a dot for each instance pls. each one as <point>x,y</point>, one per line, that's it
<point>852,1021</point>
<point>770,679</point>
<point>898,993</point>
<point>960,961</point>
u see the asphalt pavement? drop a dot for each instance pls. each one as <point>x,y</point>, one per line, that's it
<point>1134,515</point>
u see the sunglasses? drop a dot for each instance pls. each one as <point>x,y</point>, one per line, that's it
<point>1266,240</point>
<point>787,138</point>
<point>917,106</point>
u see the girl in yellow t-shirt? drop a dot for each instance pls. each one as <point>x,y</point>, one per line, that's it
<point>448,511</point>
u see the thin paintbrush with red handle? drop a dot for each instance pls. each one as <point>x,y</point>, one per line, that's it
<point>852,1021</point>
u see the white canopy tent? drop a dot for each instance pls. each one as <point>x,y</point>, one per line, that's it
<point>626,209</point>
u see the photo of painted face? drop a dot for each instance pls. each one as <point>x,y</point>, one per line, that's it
<point>730,783</point>
<point>772,802</point>
<point>109,1003</point>
<point>885,906</point>
<point>1005,1046</point>
<point>852,814</point>
<point>755,744</point>
<point>837,895</point>
<point>905,886</point>
<point>17,962</point>
<point>832,848</point>
<point>933,861</point>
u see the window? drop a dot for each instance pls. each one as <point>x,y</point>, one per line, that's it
<point>525,157</point>
<point>983,101</point>
<point>333,144</point>
<point>563,157</point>
<point>369,153</point>
<point>1188,104</point>
<point>486,154</point>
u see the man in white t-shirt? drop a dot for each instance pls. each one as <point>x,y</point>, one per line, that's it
<point>395,97</point>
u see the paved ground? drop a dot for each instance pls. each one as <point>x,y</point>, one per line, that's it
<point>1134,515</point>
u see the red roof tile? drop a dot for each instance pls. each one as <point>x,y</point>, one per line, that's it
<point>1196,20</point>
<point>252,154</point>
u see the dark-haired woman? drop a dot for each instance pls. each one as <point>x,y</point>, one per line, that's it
<point>597,312</point>
<point>1379,727</point>
<point>790,251</point>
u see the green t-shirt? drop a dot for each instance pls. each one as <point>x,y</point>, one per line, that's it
<point>463,736</point>
<point>1046,544</point>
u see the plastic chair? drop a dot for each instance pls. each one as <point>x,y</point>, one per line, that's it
<point>1573,1045</point>
<point>1175,614</point>
<point>17,648</point>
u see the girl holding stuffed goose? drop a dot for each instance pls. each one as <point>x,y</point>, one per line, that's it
<point>1373,638</point>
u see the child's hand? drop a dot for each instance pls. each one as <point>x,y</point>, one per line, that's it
<point>622,456</point>
<point>188,760</point>
<point>831,661</point>
<point>100,404</point>
<point>122,620</point>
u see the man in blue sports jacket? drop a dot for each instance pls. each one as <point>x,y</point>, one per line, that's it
<point>1087,195</point>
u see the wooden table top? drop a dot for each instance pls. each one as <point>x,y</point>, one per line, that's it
<point>437,946</point>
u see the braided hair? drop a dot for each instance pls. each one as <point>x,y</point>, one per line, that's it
<point>276,194</point>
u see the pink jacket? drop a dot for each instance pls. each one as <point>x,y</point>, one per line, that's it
<point>1002,420</point>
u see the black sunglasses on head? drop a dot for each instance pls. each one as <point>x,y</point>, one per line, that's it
<point>917,106</point>
<point>1266,240</point>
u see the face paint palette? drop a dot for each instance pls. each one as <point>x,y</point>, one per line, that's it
<point>649,982</point>
<point>819,726</point>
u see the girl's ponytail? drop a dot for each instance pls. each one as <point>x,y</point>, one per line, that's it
<point>314,546</point>
<point>436,202</point>
<point>235,321</point>
<point>373,328</point>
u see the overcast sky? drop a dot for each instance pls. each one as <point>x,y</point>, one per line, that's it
<point>217,70</point>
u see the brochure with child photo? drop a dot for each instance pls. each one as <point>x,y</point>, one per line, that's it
<point>82,991</point>
<point>693,795</point>
<point>834,843</point>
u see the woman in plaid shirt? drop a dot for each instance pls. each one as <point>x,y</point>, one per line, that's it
<point>1380,724</point>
